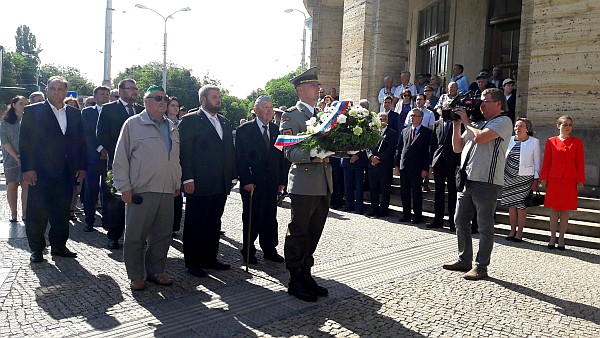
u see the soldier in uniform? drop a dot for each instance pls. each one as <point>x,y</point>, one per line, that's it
<point>309,186</point>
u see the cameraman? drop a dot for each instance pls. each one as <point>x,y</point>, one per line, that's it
<point>484,144</point>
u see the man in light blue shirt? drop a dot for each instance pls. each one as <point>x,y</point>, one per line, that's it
<point>459,78</point>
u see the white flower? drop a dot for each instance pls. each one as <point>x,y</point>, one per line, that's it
<point>312,121</point>
<point>353,113</point>
<point>324,117</point>
<point>341,119</point>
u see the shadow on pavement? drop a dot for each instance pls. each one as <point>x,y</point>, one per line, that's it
<point>68,290</point>
<point>566,307</point>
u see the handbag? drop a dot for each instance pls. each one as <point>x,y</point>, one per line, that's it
<point>534,198</point>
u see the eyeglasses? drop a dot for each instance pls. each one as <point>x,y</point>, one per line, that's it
<point>131,88</point>
<point>159,98</point>
<point>415,115</point>
<point>489,101</point>
<point>406,95</point>
<point>428,90</point>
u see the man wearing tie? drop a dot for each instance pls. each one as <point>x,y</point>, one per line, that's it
<point>412,164</point>
<point>444,162</point>
<point>52,149</point>
<point>208,172</point>
<point>96,159</point>
<point>110,121</point>
<point>381,166</point>
<point>262,170</point>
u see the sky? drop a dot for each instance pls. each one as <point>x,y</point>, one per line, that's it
<point>242,43</point>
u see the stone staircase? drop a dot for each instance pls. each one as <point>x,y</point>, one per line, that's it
<point>584,224</point>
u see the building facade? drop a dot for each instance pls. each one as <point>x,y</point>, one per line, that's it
<point>551,48</point>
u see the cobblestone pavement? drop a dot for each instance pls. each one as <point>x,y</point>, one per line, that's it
<point>384,279</point>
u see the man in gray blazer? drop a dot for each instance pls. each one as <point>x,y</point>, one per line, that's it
<point>310,187</point>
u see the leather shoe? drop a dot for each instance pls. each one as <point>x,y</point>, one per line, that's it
<point>274,257</point>
<point>314,287</point>
<point>36,257</point>
<point>475,274</point>
<point>63,253</point>
<point>88,228</point>
<point>113,244</point>
<point>371,213</point>
<point>216,265</point>
<point>457,266</point>
<point>160,278</point>
<point>434,225</point>
<point>404,219</point>
<point>300,290</point>
<point>137,284</point>
<point>417,221</point>
<point>197,272</point>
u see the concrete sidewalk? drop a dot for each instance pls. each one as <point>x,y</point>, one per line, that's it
<point>384,278</point>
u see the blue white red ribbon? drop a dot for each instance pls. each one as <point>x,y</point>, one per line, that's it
<point>289,140</point>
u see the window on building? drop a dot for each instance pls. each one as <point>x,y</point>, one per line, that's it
<point>505,23</point>
<point>434,27</point>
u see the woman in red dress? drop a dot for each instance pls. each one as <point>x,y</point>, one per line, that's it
<point>563,176</point>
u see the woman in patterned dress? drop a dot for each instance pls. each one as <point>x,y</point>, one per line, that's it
<point>563,175</point>
<point>521,175</point>
<point>9,135</point>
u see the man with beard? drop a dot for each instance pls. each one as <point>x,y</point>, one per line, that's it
<point>208,173</point>
<point>110,121</point>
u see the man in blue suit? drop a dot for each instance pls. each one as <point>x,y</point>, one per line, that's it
<point>96,159</point>
<point>381,167</point>
<point>52,148</point>
<point>110,121</point>
<point>412,164</point>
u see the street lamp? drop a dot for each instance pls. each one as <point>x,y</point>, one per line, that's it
<point>290,10</point>
<point>164,68</point>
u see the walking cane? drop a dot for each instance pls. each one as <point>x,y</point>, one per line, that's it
<point>249,231</point>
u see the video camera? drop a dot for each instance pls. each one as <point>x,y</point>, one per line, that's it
<point>469,101</point>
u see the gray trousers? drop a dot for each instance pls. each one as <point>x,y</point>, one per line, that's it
<point>480,197</point>
<point>147,238</point>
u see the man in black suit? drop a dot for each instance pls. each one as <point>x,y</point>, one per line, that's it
<point>444,163</point>
<point>381,166</point>
<point>96,159</point>
<point>52,148</point>
<point>412,164</point>
<point>110,121</point>
<point>508,85</point>
<point>208,173</point>
<point>262,172</point>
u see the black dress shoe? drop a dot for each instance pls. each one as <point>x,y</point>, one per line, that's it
<point>434,225</point>
<point>510,238</point>
<point>88,228</point>
<point>316,288</point>
<point>36,257</point>
<point>372,213</point>
<point>113,244</point>
<point>561,248</point>
<point>197,272</point>
<point>382,214</point>
<point>299,289</point>
<point>63,253</point>
<point>359,212</point>
<point>216,265</point>
<point>453,229</point>
<point>404,219</point>
<point>417,221</point>
<point>274,257</point>
<point>251,261</point>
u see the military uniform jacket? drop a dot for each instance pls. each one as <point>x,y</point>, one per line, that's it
<point>305,177</point>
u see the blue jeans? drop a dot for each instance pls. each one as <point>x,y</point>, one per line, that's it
<point>477,197</point>
<point>354,184</point>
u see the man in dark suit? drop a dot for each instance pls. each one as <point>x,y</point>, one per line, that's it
<point>208,173</point>
<point>508,85</point>
<point>262,170</point>
<point>412,164</point>
<point>96,159</point>
<point>52,148</point>
<point>381,167</point>
<point>110,121</point>
<point>444,163</point>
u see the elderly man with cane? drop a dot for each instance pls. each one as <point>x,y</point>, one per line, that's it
<point>262,172</point>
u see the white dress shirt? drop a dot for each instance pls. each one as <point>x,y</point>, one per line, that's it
<point>61,116</point>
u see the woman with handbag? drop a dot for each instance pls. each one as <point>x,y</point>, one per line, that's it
<point>521,175</point>
<point>563,176</point>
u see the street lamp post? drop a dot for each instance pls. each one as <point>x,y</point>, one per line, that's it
<point>164,67</point>
<point>290,10</point>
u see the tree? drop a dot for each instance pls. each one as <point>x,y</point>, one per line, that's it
<point>26,42</point>
<point>281,91</point>
<point>77,82</point>
<point>180,81</point>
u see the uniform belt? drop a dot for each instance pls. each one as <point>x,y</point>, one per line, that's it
<point>315,160</point>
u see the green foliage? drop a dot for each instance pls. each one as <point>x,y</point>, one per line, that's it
<point>281,91</point>
<point>234,108</point>
<point>26,42</point>
<point>77,82</point>
<point>256,93</point>
<point>180,81</point>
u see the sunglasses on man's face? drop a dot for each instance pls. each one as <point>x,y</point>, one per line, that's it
<point>159,98</point>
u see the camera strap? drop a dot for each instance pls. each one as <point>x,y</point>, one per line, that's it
<point>470,151</point>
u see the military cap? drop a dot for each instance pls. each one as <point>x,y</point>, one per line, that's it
<point>308,76</point>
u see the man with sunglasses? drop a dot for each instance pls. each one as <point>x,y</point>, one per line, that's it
<point>146,171</point>
<point>110,121</point>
